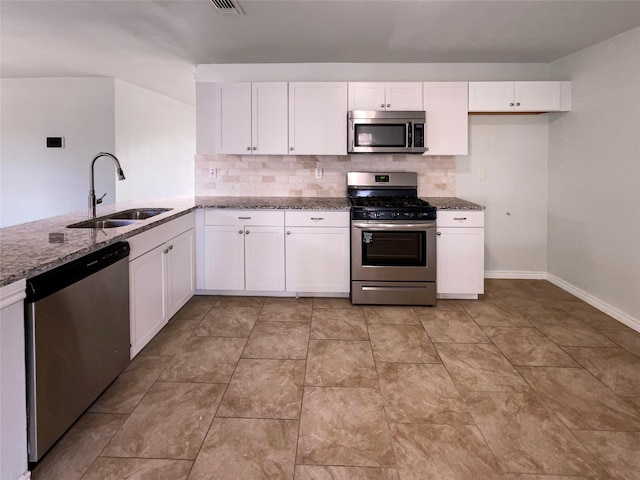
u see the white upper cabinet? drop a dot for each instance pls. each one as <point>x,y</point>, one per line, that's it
<point>269,119</point>
<point>385,96</point>
<point>447,129</point>
<point>251,118</point>
<point>318,118</point>
<point>519,96</point>
<point>233,118</point>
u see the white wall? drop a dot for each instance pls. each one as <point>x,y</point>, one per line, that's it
<point>512,150</point>
<point>361,72</point>
<point>594,176</point>
<point>38,182</point>
<point>155,143</point>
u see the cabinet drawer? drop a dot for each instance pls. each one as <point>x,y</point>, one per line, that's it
<point>150,239</point>
<point>460,218</point>
<point>316,218</point>
<point>244,217</point>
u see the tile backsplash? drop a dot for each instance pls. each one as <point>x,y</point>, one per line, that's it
<point>294,175</point>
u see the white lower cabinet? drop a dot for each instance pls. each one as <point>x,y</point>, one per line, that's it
<point>161,277</point>
<point>317,245</point>
<point>244,250</point>
<point>13,414</point>
<point>460,254</point>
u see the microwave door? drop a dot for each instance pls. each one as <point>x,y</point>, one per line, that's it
<point>376,135</point>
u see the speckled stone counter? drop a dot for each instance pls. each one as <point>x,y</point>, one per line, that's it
<point>280,203</point>
<point>25,249</point>
<point>452,203</point>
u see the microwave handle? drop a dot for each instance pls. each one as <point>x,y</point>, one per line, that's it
<point>409,135</point>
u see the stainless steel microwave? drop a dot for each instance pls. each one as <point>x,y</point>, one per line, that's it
<point>371,131</point>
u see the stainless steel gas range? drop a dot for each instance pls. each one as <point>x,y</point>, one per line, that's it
<point>393,240</point>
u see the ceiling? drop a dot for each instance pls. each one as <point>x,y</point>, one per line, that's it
<point>157,44</point>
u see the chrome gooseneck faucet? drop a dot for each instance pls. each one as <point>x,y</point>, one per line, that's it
<point>93,201</point>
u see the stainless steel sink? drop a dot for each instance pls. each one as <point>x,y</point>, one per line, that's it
<point>138,213</point>
<point>102,223</point>
<point>120,219</point>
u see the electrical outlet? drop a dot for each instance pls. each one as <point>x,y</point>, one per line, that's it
<point>213,173</point>
<point>318,173</point>
<point>482,174</point>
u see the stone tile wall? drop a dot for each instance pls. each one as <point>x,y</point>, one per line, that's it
<point>294,176</point>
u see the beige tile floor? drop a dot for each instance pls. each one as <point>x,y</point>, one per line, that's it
<point>528,383</point>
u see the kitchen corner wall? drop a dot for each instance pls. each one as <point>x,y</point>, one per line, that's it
<point>294,176</point>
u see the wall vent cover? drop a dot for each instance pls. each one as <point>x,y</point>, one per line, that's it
<point>227,6</point>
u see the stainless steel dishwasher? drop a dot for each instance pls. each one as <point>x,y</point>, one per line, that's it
<point>77,332</point>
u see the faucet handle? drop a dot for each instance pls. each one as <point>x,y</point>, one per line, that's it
<point>99,200</point>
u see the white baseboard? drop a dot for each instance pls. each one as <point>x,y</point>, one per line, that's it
<point>515,274</point>
<point>25,476</point>
<point>622,317</point>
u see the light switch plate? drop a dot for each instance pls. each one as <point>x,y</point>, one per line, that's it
<point>318,173</point>
<point>213,173</point>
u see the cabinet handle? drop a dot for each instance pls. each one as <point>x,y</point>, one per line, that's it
<point>511,104</point>
<point>166,250</point>
<point>382,105</point>
<point>439,233</point>
<point>317,218</point>
<point>517,104</point>
<point>291,148</point>
<point>254,148</point>
<point>248,232</point>
<point>288,232</point>
<point>248,148</point>
<point>459,218</point>
<point>170,247</point>
<point>240,232</point>
<point>244,218</point>
<point>388,105</point>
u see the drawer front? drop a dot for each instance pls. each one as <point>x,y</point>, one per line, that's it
<point>150,239</point>
<point>223,216</point>
<point>460,218</point>
<point>316,218</point>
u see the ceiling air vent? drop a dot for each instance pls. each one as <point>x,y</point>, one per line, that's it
<point>227,6</point>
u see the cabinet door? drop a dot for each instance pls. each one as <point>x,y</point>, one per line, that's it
<point>317,259</point>
<point>491,96</point>
<point>233,118</point>
<point>537,96</point>
<point>147,290</point>
<point>269,119</point>
<point>318,118</point>
<point>264,258</point>
<point>446,106</point>
<point>367,96</point>
<point>403,96</point>
<point>13,416</point>
<point>460,260</point>
<point>224,258</point>
<point>179,259</point>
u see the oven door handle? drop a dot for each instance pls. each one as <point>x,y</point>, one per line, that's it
<point>397,226</point>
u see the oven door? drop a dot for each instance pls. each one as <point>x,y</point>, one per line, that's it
<point>397,251</point>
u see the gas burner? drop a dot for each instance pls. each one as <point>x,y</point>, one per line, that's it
<point>388,202</point>
<point>387,197</point>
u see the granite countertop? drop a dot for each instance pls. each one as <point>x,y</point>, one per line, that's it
<point>26,251</point>
<point>452,203</point>
<point>286,203</point>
